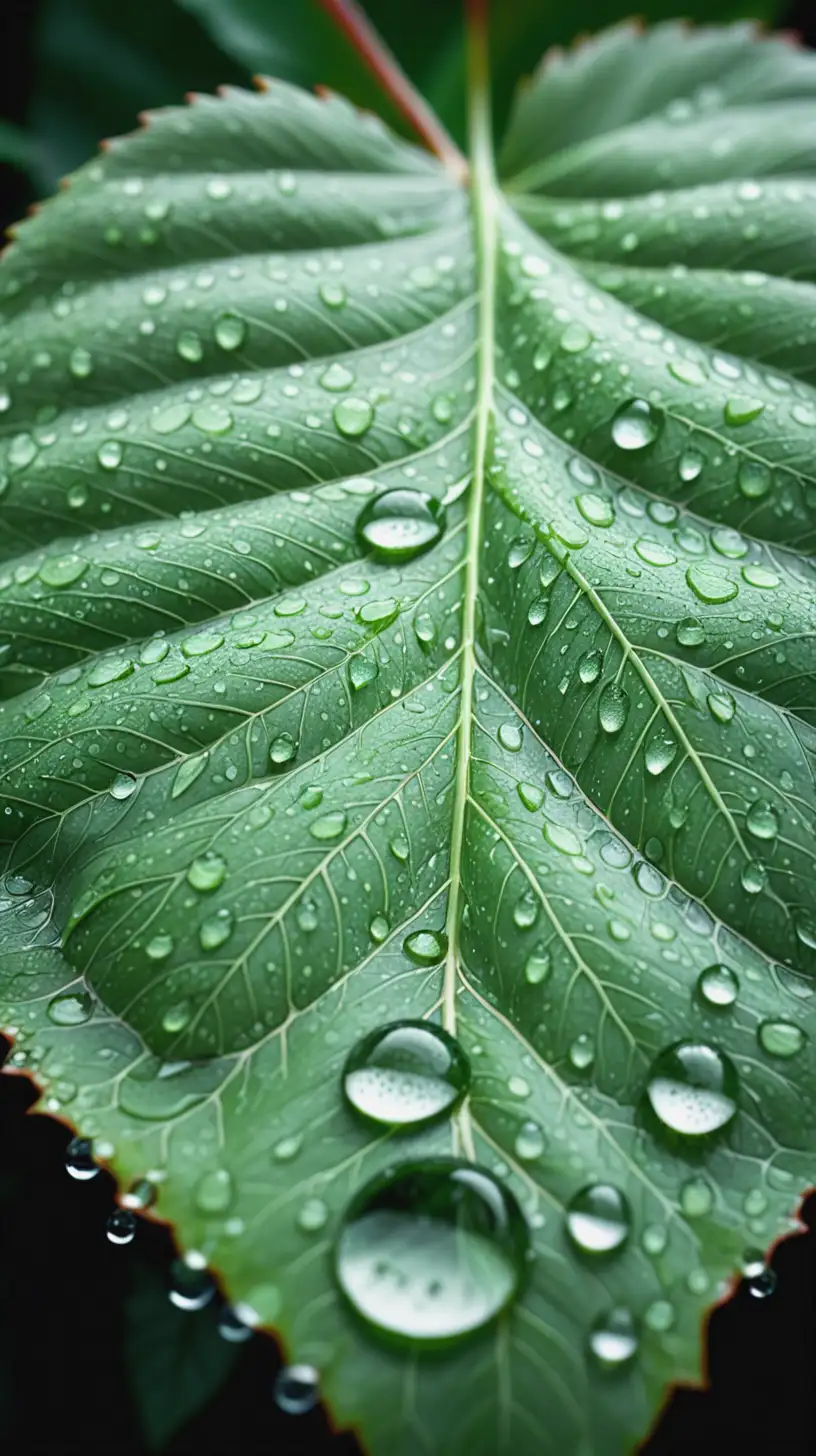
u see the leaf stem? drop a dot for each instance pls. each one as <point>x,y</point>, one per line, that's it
<point>484,215</point>
<point>352,20</point>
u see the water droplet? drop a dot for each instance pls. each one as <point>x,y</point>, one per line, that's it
<point>191,1286</point>
<point>406,1074</point>
<point>660,752</point>
<point>693,1089</point>
<point>281,751</point>
<point>753,877</point>
<point>230,331</point>
<point>362,670</point>
<point>189,346</point>
<point>510,736</point>
<point>121,1226</point>
<point>332,294</point>
<point>636,425</point>
<point>214,1191</point>
<point>582,1052</point>
<point>529,1142</point>
<point>296,1389</point>
<point>753,479</point>
<point>79,1160</point>
<point>599,1219</point>
<point>589,667</point>
<point>353,416</point>
<point>207,872</point>
<point>696,1197</point>
<point>613,1339</point>
<point>140,1195</point>
<point>379,613</point>
<point>526,911</point>
<point>710,585</point>
<point>431,1251</point>
<point>689,632</point>
<point>718,986</point>
<point>690,465</point>
<point>781,1038</point>
<point>232,1328</point>
<point>596,509</point>
<point>740,409</point>
<point>109,454</point>
<point>761,820</point>
<point>329,826</point>
<point>215,931</point>
<point>71,1009</point>
<point>537,968</point>
<point>212,418</point>
<point>337,377</point>
<point>721,706</point>
<point>426,947</point>
<point>426,631</point>
<point>613,706</point>
<point>159,947</point>
<point>313,1216</point>
<point>400,524</point>
<point>659,1316</point>
<point>61,571</point>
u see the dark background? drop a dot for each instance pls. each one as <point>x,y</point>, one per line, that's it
<point>64,1386</point>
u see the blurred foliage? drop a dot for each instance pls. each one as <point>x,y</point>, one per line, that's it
<point>98,63</point>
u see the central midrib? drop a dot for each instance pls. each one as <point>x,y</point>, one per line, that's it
<point>483,198</point>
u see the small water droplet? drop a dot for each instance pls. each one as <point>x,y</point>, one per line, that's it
<point>191,1287</point>
<point>636,425</point>
<point>296,1389</point>
<point>109,454</point>
<point>753,479</point>
<point>599,1219</point>
<point>529,1142</point>
<point>613,1339</point>
<point>406,1074</point>
<point>537,968</point>
<point>232,1328</point>
<point>721,706</point>
<point>79,1160</point>
<point>696,1197</point>
<point>281,751</point>
<point>761,820</point>
<point>329,826</point>
<point>230,331</point>
<point>214,1191</point>
<point>207,872</point>
<point>740,409</point>
<point>510,736</point>
<point>660,752</point>
<point>121,1226</point>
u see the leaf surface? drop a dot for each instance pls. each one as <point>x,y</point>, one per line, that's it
<point>244,761</point>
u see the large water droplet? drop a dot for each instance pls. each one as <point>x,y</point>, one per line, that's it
<point>406,1074</point>
<point>207,872</point>
<point>718,986</point>
<point>693,1088</point>
<point>296,1389</point>
<point>599,1219</point>
<point>431,1251</point>
<point>613,706</point>
<point>636,425</point>
<point>761,820</point>
<point>660,752</point>
<point>214,1191</point>
<point>781,1038</point>
<point>400,524</point>
<point>353,416</point>
<point>230,331</point>
<point>71,1009</point>
<point>329,826</point>
<point>425,947</point>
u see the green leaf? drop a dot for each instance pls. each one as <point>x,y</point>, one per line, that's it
<point>247,760</point>
<point>176,1359</point>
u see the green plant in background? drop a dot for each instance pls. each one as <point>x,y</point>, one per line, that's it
<point>406,729</point>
